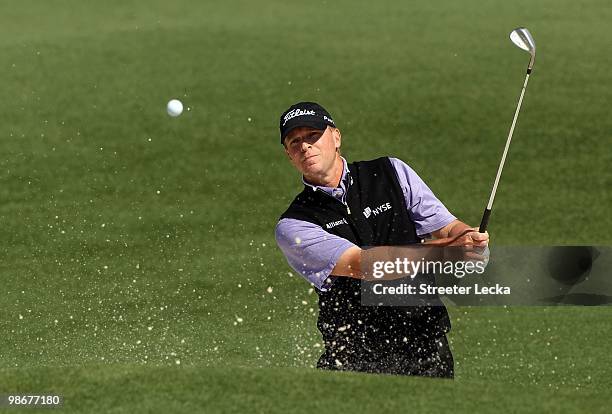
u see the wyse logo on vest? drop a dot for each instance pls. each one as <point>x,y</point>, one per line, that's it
<point>367,212</point>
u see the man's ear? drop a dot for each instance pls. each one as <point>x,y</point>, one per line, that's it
<point>337,137</point>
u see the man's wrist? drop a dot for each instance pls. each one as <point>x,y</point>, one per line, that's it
<point>458,228</point>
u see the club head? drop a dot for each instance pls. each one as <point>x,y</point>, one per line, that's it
<point>523,39</point>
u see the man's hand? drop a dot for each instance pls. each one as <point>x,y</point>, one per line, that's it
<point>474,245</point>
<point>470,237</point>
<point>457,233</point>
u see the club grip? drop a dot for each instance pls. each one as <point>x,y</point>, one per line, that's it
<point>485,220</point>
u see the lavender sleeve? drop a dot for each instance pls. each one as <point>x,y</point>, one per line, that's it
<point>426,211</point>
<point>310,250</point>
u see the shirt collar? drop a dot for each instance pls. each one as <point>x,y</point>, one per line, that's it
<point>345,181</point>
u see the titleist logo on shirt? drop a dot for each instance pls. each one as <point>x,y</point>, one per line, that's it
<point>296,112</point>
<point>335,223</point>
<point>367,212</point>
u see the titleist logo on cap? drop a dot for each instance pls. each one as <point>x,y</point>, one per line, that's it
<point>304,114</point>
<point>296,112</point>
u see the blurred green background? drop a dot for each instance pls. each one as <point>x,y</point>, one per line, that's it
<point>138,265</point>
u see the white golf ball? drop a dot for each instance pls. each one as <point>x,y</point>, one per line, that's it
<point>174,107</point>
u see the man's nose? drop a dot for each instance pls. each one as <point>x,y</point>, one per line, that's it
<point>306,146</point>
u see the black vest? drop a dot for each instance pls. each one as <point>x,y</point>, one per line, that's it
<point>376,216</point>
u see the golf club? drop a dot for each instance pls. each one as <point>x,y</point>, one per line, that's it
<point>523,39</point>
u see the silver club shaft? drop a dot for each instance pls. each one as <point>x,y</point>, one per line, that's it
<point>503,159</point>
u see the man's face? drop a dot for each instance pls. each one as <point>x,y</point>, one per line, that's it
<point>312,151</point>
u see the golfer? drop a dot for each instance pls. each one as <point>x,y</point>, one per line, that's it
<point>342,208</point>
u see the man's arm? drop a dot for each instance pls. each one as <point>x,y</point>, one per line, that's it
<point>349,264</point>
<point>453,228</point>
<point>310,251</point>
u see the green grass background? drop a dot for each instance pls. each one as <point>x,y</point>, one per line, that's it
<point>136,250</point>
